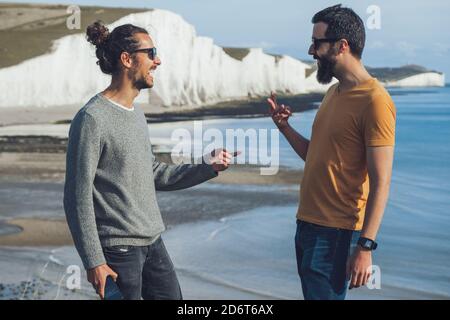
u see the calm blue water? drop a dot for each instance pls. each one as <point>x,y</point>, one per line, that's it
<point>254,254</point>
<point>417,220</point>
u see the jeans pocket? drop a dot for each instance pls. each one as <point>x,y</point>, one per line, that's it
<point>120,250</point>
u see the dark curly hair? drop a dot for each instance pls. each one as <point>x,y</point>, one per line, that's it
<point>110,45</point>
<point>343,23</point>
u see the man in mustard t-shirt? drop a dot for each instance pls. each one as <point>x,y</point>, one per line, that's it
<point>350,152</point>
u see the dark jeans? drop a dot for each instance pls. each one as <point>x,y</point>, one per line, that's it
<point>144,272</point>
<point>322,254</point>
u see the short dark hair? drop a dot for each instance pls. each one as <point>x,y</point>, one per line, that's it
<point>110,45</point>
<point>343,23</point>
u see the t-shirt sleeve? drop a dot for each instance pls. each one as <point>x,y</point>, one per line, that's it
<point>379,122</point>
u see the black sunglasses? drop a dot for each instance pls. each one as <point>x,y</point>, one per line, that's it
<point>318,42</point>
<point>150,51</point>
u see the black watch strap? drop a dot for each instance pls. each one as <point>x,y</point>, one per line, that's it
<point>367,243</point>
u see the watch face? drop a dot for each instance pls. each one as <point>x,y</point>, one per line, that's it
<point>367,244</point>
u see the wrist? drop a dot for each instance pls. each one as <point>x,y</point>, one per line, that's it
<point>212,168</point>
<point>360,249</point>
<point>367,244</point>
<point>99,266</point>
<point>284,128</point>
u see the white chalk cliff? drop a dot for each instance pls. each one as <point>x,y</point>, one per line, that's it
<point>427,79</point>
<point>194,70</point>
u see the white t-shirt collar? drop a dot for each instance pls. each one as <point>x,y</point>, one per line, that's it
<point>119,105</point>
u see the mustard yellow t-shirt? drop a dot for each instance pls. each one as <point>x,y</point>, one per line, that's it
<point>335,183</point>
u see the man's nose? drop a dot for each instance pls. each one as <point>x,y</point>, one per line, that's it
<point>311,50</point>
<point>157,61</point>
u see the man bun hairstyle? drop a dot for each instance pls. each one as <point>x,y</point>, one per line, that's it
<point>343,23</point>
<point>110,45</point>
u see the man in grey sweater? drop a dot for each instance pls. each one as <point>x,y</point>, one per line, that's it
<point>112,175</point>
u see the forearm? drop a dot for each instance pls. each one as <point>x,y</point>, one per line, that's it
<point>176,177</point>
<point>80,216</point>
<point>376,204</point>
<point>299,143</point>
<point>86,239</point>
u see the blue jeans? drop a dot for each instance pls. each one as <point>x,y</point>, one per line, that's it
<point>144,272</point>
<point>322,254</point>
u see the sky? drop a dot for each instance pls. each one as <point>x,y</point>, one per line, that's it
<point>404,32</point>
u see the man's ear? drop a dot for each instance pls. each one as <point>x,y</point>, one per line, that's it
<point>343,46</point>
<point>126,59</point>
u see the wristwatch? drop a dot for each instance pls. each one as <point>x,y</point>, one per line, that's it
<point>367,244</point>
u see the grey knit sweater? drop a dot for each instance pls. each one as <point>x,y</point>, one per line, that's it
<point>111,177</point>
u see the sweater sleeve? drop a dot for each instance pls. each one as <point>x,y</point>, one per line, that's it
<point>169,177</point>
<point>83,153</point>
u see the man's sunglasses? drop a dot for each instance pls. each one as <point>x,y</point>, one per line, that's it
<point>150,51</point>
<point>318,42</point>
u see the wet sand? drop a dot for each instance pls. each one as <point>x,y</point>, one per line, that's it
<point>38,232</point>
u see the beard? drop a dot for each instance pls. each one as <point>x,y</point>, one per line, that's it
<point>325,69</point>
<point>139,80</point>
<point>141,84</point>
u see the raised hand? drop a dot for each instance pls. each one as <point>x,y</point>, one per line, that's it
<point>279,113</point>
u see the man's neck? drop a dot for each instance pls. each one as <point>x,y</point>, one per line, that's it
<point>121,92</point>
<point>351,76</point>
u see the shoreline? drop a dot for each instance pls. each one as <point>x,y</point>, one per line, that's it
<point>240,108</point>
<point>253,107</point>
<point>250,108</point>
<point>48,143</point>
